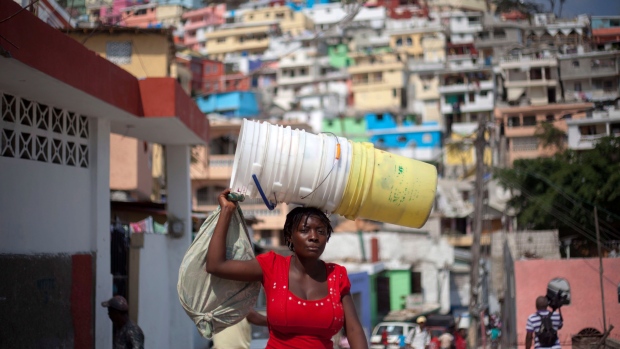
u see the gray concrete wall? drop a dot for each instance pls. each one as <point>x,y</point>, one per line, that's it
<point>36,302</point>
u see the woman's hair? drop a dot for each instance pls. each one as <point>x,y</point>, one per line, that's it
<point>294,217</point>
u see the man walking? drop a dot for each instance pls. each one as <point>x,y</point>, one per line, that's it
<point>126,334</point>
<point>421,337</point>
<point>543,326</point>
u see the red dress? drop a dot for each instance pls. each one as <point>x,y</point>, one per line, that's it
<point>297,323</point>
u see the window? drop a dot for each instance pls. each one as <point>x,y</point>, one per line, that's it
<point>484,93</point>
<point>416,282</point>
<point>379,117</point>
<point>402,139</point>
<point>394,92</point>
<point>221,40</point>
<point>279,15</point>
<point>514,121</point>
<point>529,120</point>
<point>472,97</point>
<point>550,118</point>
<point>118,52</point>
<point>409,42</point>
<point>576,63</point>
<point>399,42</point>
<point>524,144</point>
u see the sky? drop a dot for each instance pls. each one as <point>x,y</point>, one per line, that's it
<point>590,7</point>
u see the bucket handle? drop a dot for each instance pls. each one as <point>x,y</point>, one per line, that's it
<point>269,205</point>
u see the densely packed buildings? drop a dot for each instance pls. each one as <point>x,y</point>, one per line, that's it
<point>413,77</point>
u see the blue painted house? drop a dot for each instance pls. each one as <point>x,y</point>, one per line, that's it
<point>420,142</point>
<point>360,292</point>
<point>241,104</point>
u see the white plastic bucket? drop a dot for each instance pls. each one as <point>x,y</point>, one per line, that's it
<point>292,166</point>
<point>332,174</point>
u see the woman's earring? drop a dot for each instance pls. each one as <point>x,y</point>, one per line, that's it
<point>290,245</point>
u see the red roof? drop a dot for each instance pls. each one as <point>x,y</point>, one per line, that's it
<point>605,35</point>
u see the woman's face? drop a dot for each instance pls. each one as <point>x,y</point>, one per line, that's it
<point>309,237</point>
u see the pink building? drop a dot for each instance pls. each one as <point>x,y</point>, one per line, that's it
<point>585,309</point>
<point>199,22</point>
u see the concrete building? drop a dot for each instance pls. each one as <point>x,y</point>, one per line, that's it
<point>584,133</point>
<point>424,80</point>
<point>231,104</point>
<point>591,76</point>
<point>467,5</point>
<point>325,16</point>
<point>519,126</point>
<point>415,263</point>
<point>498,38</point>
<point>530,80</point>
<point>295,70</point>
<point>291,23</point>
<point>553,35</point>
<point>200,22</point>
<point>143,52</point>
<point>240,39</point>
<point>467,95</point>
<point>56,125</point>
<point>605,32</point>
<point>378,81</point>
<point>416,141</point>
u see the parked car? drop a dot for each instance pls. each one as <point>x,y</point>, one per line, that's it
<point>439,324</point>
<point>394,329</point>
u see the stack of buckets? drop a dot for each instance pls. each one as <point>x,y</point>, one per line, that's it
<point>333,174</point>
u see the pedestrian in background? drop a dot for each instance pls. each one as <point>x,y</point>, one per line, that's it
<point>421,338</point>
<point>126,334</point>
<point>239,335</point>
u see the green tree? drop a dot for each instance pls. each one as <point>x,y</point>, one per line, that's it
<point>550,136</point>
<point>560,192</point>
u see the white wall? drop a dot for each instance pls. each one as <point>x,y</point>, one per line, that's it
<point>154,294</point>
<point>44,207</point>
<point>427,255</point>
<point>49,205</point>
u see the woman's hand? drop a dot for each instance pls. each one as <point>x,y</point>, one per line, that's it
<point>225,204</point>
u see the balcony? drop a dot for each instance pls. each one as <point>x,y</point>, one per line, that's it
<point>199,24</point>
<point>295,80</point>
<point>418,66</point>
<point>589,72</point>
<point>517,62</point>
<point>584,133</point>
<point>375,67</point>
<point>479,104</point>
<point>530,83</point>
<point>220,167</point>
<point>466,87</point>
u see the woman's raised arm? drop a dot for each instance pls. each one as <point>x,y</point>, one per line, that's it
<point>216,253</point>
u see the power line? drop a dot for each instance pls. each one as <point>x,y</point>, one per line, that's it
<point>19,11</point>
<point>554,211</point>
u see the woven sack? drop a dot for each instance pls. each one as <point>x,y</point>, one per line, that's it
<point>211,302</point>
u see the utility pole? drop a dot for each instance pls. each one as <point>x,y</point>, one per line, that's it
<point>474,312</point>
<point>600,266</point>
